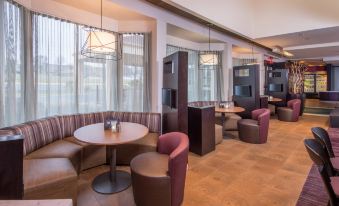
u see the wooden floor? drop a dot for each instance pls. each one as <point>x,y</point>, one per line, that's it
<point>316,103</point>
<point>236,173</point>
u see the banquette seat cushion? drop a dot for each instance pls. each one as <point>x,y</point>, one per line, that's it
<point>53,178</point>
<point>126,152</point>
<point>90,155</point>
<point>218,134</point>
<point>59,149</point>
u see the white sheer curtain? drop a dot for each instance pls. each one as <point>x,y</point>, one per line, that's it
<point>42,72</point>
<point>193,64</point>
<point>54,62</point>
<point>211,79</point>
<point>132,73</point>
<point>97,81</point>
<point>204,81</point>
<point>11,64</point>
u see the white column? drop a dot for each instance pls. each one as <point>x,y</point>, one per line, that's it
<point>228,71</point>
<point>158,53</point>
<point>260,59</point>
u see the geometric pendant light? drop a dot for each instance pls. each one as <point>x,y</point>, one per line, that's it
<point>101,44</point>
<point>208,58</point>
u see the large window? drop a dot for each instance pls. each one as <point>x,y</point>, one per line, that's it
<point>193,64</point>
<point>133,72</point>
<point>42,72</point>
<point>11,64</point>
<point>54,60</point>
<point>204,80</point>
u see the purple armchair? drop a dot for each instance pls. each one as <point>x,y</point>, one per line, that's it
<point>158,178</point>
<point>255,130</point>
<point>291,112</point>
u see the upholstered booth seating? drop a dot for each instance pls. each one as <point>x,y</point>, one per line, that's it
<point>255,130</point>
<point>158,178</point>
<point>218,134</point>
<point>291,112</point>
<point>53,157</point>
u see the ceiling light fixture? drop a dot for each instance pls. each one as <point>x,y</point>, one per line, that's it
<point>101,44</point>
<point>210,57</point>
<point>253,60</point>
<point>280,50</point>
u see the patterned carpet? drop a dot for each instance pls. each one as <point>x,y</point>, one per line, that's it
<point>314,191</point>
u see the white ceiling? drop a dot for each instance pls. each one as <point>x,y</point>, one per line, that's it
<point>262,18</point>
<point>242,50</point>
<point>307,44</point>
<point>315,52</point>
<point>312,25</point>
<point>110,9</point>
<point>318,36</point>
<point>179,32</point>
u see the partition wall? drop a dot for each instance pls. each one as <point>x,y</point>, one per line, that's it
<point>204,80</point>
<point>43,73</point>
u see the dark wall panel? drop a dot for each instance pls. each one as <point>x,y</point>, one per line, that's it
<point>246,78</point>
<point>174,93</point>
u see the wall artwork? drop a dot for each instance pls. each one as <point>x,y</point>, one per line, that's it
<point>296,77</point>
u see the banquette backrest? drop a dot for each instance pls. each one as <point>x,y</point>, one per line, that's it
<point>41,132</point>
<point>203,103</point>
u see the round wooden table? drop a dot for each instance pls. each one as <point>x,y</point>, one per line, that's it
<point>229,110</point>
<point>113,181</point>
<point>274,100</point>
<point>223,111</point>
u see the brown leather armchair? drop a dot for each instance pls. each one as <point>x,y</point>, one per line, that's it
<point>158,178</point>
<point>255,130</point>
<point>291,112</point>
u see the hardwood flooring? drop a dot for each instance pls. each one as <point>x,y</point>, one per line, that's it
<point>236,173</point>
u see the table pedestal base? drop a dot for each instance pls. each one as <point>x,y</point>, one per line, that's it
<point>103,184</point>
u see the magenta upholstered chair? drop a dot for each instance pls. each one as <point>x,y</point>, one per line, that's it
<point>158,178</point>
<point>255,130</point>
<point>291,112</point>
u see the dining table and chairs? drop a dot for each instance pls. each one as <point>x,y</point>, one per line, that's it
<point>226,110</point>
<point>114,180</point>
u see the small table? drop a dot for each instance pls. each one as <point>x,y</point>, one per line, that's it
<point>55,202</point>
<point>223,111</point>
<point>113,181</point>
<point>274,100</point>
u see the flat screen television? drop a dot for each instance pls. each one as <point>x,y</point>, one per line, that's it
<point>242,90</point>
<point>275,87</point>
<point>169,97</point>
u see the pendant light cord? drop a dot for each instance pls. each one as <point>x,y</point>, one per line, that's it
<point>209,37</point>
<point>101,14</point>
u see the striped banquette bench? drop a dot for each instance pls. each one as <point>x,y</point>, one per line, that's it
<point>53,158</point>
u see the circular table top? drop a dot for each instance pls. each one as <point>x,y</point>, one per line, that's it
<point>95,134</point>
<point>274,99</point>
<point>229,110</point>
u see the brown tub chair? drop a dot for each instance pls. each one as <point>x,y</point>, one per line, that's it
<point>255,130</point>
<point>158,178</point>
<point>291,112</point>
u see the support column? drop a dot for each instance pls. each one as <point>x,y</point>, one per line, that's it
<point>228,71</point>
<point>158,55</point>
<point>260,59</point>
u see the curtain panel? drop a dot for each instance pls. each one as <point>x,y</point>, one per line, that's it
<point>205,81</point>
<point>42,72</point>
<point>12,71</point>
